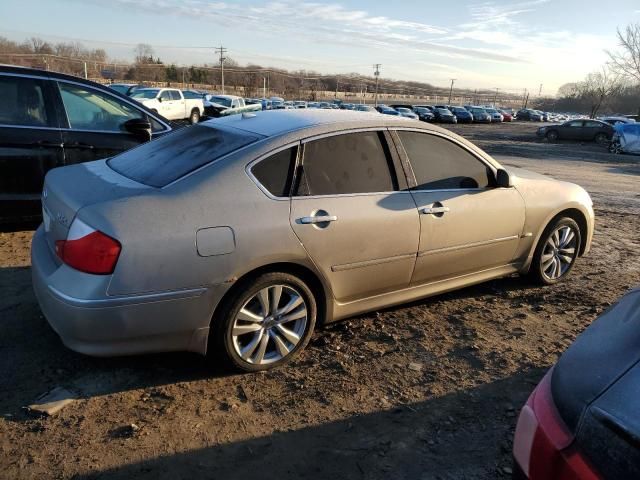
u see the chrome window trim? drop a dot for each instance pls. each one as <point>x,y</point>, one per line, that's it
<point>135,105</point>
<point>5,125</point>
<point>262,157</point>
<point>25,75</point>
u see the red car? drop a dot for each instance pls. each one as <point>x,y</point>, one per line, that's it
<point>582,422</point>
<point>507,116</point>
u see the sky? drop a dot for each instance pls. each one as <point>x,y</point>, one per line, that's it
<point>510,45</point>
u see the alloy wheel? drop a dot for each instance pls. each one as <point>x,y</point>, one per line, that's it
<point>269,325</point>
<point>559,252</point>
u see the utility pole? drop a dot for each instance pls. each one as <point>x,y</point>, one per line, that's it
<point>85,70</point>
<point>540,91</point>
<point>336,94</point>
<point>495,97</point>
<point>376,73</point>
<point>221,50</point>
<point>264,87</point>
<point>451,90</point>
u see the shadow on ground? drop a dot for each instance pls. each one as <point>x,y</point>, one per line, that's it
<point>449,437</point>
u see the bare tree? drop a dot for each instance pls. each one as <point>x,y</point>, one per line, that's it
<point>597,87</point>
<point>143,53</point>
<point>627,60</point>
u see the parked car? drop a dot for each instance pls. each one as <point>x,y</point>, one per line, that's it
<point>424,114</point>
<point>347,106</point>
<point>408,113</point>
<point>48,120</point>
<point>313,105</point>
<point>125,88</point>
<point>300,104</point>
<point>278,105</point>
<point>389,111</point>
<point>205,240</point>
<point>462,114</point>
<point>444,115</point>
<point>507,116</point>
<point>224,105</point>
<point>626,138</point>
<point>527,114</point>
<point>325,105</point>
<point>584,130</point>
<point>616,120</point>
<point>365,108</point>
<point>480,115</point>
<point>581,421</point>
<point>170,103</point>
<point>496,116</point>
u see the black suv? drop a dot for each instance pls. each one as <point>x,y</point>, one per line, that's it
<point>48,120</point>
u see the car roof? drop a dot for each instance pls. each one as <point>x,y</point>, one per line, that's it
<point>280,122</point>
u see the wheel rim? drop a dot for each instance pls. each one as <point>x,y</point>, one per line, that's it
<point>559,252</point>
<point>269,325</point>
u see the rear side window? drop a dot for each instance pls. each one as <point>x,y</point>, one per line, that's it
<point>350,163</point>
<point>440,164</point>
<point>275,173</point>
<point>23,102</point>
<point>174,155</point>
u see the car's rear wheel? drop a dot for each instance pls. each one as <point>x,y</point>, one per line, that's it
<point>552,135</point>
<point>265,323</point>
<point>194,117</point>
<point>556,252</point>
<point>601,138</point>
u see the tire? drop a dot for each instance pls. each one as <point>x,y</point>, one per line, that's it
<point>244,312</point>
<point>601,138</point>
<point>555,255</point>
<point>552,135</point>
<point>194,117</point>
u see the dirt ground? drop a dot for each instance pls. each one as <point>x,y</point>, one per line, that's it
<point>429,390</point>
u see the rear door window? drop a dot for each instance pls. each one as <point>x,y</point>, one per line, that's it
<point>174,155</point>
<point>344,164</point>
<point>23,102</point>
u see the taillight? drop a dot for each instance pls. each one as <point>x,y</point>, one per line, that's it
<point>88,250</point>
<point>542,442</point>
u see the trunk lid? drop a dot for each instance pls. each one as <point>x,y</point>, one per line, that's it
<point>67,190</point>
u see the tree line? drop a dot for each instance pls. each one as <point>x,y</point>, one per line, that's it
<point>613,89</point>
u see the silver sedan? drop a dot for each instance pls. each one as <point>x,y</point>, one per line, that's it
<point>236,237</point>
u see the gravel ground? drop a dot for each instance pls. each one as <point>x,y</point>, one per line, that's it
<point>429,390</point>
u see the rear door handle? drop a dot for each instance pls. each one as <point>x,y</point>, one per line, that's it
<point>433,210</point>
<point>42,143</point>
<point>318,219</point>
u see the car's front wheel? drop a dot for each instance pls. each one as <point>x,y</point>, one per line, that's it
<point>265,323</point>
<point>556,252</point>
<point>552,135</point>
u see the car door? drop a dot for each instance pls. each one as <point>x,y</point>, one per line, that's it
<point>350,213</point>
<point>179,105</point>
<point>466,223</point>
<point>95,123</point>
<point>573,130</point>
<point>30,139</point>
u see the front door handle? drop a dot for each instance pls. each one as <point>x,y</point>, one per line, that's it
<point>434,210</point>
<point>79,145</point>
<point>318,219</point>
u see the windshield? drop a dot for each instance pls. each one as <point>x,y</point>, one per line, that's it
<point>220,100</point>
<point>403,110</point>
<point>145,93</point>
<point>491,110</point>
<point>172,156</point>
<point>477,111</point>
<point>444,111</point>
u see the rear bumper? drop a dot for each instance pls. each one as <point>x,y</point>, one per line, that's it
<point>93,323</point>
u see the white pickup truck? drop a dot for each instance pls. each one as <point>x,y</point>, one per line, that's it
<point>170,103</point>
<point>223,105</point>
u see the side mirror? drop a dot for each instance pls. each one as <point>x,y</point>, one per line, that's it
<point>160,99</point>
<point>503,179</point>
<point>139,127</point>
